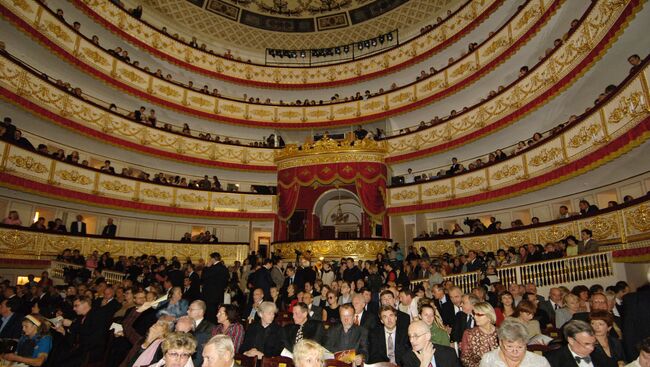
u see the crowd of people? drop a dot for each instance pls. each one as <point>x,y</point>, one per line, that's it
<point>123,55</point>
<point>10,133</point>
<point>502,154</point>
<point>174,313</point>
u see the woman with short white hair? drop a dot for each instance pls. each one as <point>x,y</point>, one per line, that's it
<point>513,338</point>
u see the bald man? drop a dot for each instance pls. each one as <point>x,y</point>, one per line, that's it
<point>424,353</point>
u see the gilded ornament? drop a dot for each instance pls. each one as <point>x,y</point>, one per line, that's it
<point>603,228</point>
<point>404,195</point>
<point>431,85</point>
<point>75,177</point>
<point>545,156</point>
<point>470,182</point>
<point>344,110</point>
<point>94,56</point>
<point>191,198</point>
<point>632,106</point>
<point>227,201</point>
<point>200,101</point>
<point>289,114</point>
<point>261,113</point>
<point>156,193</point>
<point>639,218</point>
<point>372,105</point>
<point>117,186</point>
<point>232,108</point>
<point>28,163</point>
<point>495,45</point>
<point>436,190</point>
<point>553,233</point>
<point>528,15</point>
<point>58,31</point>
<point>131,75</point>
<point>517,238</point>
<point>362,249</point>
<point>585,135</point>
<point>168,91</point>
<point>401,97</point>
<point>22,4</point>
<point>258,203</point>
<point>461,69</point>
<point>317,113</point>
<point>506,171</point>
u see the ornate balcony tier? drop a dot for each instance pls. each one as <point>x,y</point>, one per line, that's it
<point>26,170</point>
<point>415,50</point>
<point>364,249</point>
<point>614,127</point>
<point>26,243</point>
<point>626,223</point>
<point>41,23</point>
<point>22,85</point>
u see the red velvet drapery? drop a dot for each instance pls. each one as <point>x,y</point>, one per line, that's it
<point>368,178</point>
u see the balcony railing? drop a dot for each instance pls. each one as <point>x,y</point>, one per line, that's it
<point>546,273</point>
<point>57,270</point>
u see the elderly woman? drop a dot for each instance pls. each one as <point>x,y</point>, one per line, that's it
<point>308,353</point>
<point>513,337</point>
<point>565,314</point>
<point>264,337</point>
<point>228,319</point>
<point>608,351</point>
<point>481,339</point>
<point>177,351</point>
<point>176,307</point>
<point>34,345</point>
<point>524,313</point>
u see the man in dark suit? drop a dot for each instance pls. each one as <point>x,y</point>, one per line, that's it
<point>202,329</point>
<point>110,229</point>
<point>586,208</point>
<point>302,328</point>
<point>464,319</point>
<point>78,226</point>
<point>362,317</point>
<point>588,245</point>
<point>313,312</point>
<point>219,351</point>
<point>263,279</point>
<point>387,298</point>
<point>215,279</point>
<point>86,338</point>
<point>553,303</point>
<point>346,335</point>
<point>108,305</point>
<point>388,341</point>
<point>424,351</point>
<point>11,324</point>
<point>581,341</point>
<point>473,262</point>
<point>189,293</point>
<point>636,323</point>
<point>371,305</point>
<point>175,275</point>
<point>443,304</point>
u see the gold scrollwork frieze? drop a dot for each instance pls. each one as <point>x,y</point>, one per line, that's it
<point>361,249</point>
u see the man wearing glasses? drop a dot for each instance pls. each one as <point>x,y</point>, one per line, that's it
<point>424,353</point>
<point>577,353</point>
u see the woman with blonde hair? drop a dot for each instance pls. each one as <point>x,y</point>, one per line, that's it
<point>177,351</point>
<point>565,314</point>
<point>150,349</point>
<point>308,353</point>
<point>481,339</point>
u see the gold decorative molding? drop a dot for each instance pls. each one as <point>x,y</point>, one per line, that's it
<point>33,166</point>
<point>545,156</point>
<point>327,150</point>
<point>334,249</point>
<point>507,171</point>
<point>608,227</point>
<point>237,111</point>
<point>415,11</point>
<point>28,163</point>
<point>41,245</point>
